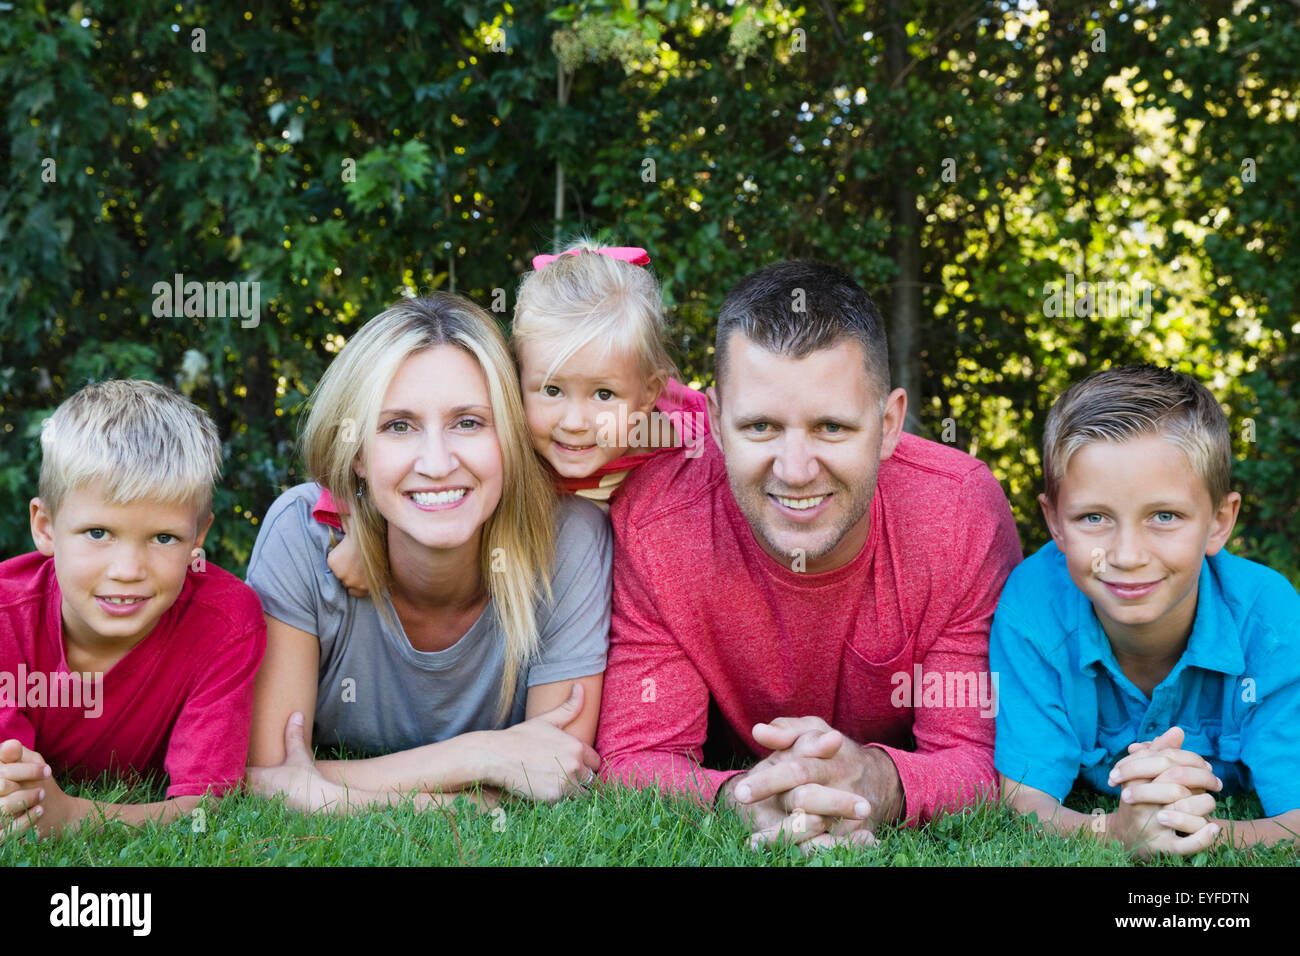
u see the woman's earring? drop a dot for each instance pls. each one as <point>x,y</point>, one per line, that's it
<point>361,487</point>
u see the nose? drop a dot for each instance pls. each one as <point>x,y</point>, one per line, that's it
<point>796,462</point>
<point>127,563</point>
<point>437,457</point>
<point>573,418</point>
<point>1128,549</point>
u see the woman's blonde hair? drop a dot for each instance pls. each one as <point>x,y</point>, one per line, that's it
<point>517,547</point>
<point>588,297</point>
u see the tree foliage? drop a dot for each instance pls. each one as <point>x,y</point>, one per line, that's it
<point>962,161</point>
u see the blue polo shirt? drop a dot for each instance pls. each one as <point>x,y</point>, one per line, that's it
<point>1066,710</point>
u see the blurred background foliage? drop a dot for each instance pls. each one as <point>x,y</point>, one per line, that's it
<point>963,161</point>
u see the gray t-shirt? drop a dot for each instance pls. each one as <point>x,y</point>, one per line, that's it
<point>377,694</point>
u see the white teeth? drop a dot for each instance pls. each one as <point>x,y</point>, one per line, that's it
<point>801,504</point>
<point>114,600</point>
<point>437,497</point>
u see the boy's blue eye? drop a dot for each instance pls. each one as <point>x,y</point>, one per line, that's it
<point>1087,519</point>
<point>97,534</point>
<point>170,538</point>
<point>1166,517</point>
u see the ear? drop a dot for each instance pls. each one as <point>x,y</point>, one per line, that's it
<point>891,430</point>
<point>203,531</point>
<point>42,527</point>
<point>654,387</point>
<point>1052,517</point>
<point>715,416</point>
<point>1225,518</point>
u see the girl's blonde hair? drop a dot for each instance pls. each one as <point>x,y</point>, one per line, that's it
<point>517,546</point>
<point>588,297</point>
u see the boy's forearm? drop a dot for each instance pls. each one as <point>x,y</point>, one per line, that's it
<point>1061,819</point>
<point>1264,831</point>
<point>79,813</point>
<point>1052,814</point>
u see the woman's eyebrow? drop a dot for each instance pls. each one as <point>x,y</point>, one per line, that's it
<point>456,410</point>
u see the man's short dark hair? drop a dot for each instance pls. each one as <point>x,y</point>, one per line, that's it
<point>798,307</point>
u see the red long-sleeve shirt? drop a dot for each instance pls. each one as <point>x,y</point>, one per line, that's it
<point>701,610</point>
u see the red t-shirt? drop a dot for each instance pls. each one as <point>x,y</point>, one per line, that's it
<point>700,611</point>
<point>180,701</point>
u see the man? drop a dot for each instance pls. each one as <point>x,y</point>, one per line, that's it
<point>817,574</point>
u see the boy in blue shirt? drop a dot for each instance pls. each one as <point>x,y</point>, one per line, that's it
<point>1133,651</point>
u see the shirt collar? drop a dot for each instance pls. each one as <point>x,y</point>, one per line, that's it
<point>1215,642</point>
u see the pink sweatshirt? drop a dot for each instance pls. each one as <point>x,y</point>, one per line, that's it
<point>701,610</point>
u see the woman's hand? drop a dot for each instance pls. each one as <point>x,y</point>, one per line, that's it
<point>297,778</point>
<point>538,759</point>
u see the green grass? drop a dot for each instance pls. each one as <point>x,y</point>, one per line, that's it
<point>612,826</point>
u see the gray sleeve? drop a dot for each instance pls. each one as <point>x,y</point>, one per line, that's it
<point>575,626</point>
<point>288,560</point>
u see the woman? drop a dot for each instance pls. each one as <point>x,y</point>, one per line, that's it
<point>478,664</point>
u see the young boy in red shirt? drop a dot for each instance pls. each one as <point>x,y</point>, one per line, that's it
<point>121,649</point>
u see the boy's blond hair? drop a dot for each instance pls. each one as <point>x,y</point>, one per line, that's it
<point>517,547</point>
<point>589,297</point>
<point>139,440</point>
<point>1135,401</point>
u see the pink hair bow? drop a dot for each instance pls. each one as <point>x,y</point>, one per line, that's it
<point>632,254</point>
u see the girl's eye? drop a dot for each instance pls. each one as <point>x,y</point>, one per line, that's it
<point>551,391</point>
<point>398,427</point>
<point>604,394</point>
<point>468,424</point>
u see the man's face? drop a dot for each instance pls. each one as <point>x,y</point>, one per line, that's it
<point>803,440</point>
<point>119,567</point>
<point>1134,522</point>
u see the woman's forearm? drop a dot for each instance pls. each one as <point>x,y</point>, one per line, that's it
<point>442,767</point>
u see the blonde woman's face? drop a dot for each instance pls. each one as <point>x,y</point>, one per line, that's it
<point>582,418</point>
<point>434,465</point>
